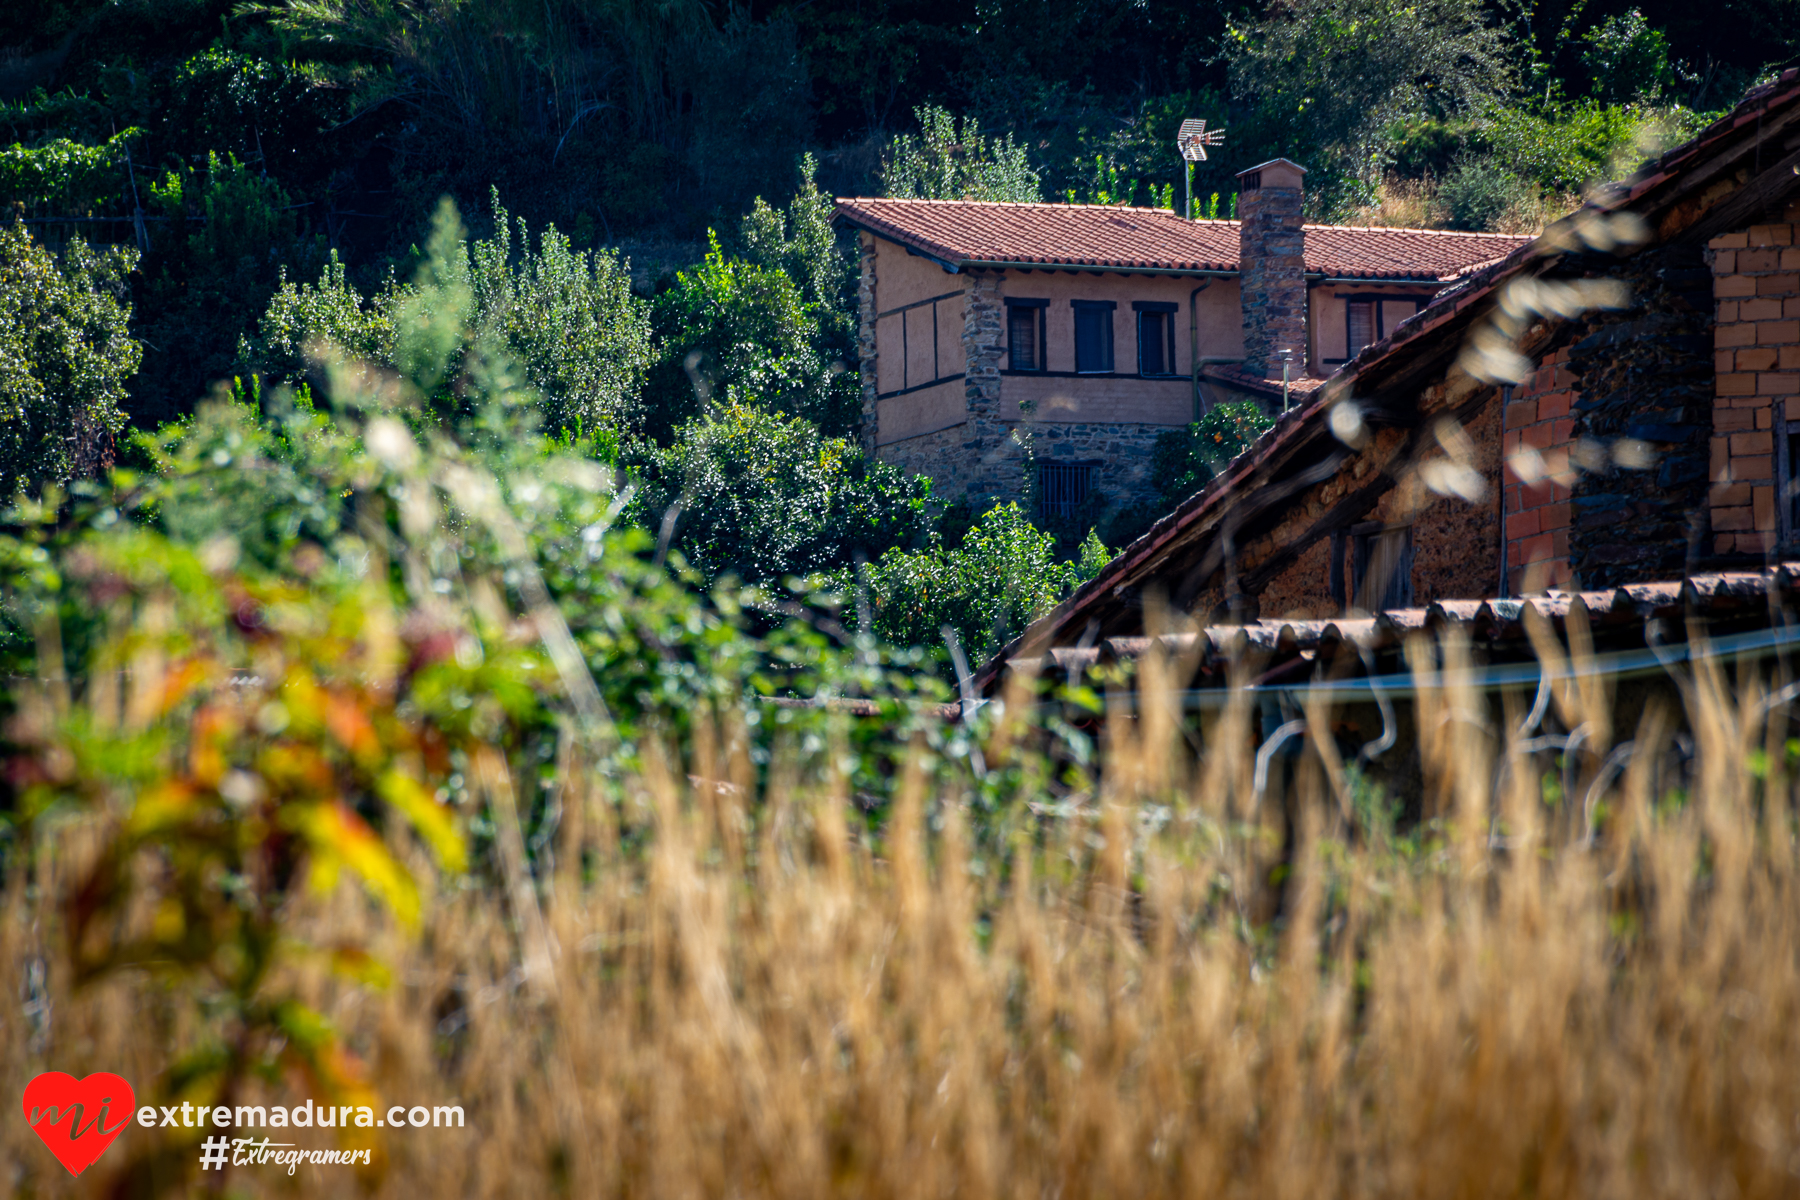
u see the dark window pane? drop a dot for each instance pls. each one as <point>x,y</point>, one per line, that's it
<point>1021,337</point>
<point>1360,316</point>
<point>1093,340</point>
<point>1153,339</point>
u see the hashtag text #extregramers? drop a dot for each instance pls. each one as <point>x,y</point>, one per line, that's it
<point>245,1152</point>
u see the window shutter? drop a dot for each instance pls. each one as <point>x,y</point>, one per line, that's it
<point>1359,320</point>
<point>1150,343</point>
<point>1021,336</point>
<point>1087,340</point>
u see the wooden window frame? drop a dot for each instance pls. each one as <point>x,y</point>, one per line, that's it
<point>1162,309</point>
<point>1347,573</point>
<point>1043,352</point>
<point>1107,341</point>
<point>1787,492</point>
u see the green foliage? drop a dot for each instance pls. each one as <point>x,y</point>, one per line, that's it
<point>63,175</point>
<point>1002,576</point>
<point>330,311</point>
<point>950,159</point>
<point>763,497</point>
<point>1184,460</point>
<point>1567,148</point>
<point>747,335</point>
<point>1092,557</point>
<point>226,234</point>
<point>65,357</point>
<point>801,243</point>
<point>1629,60</point>
<point>1479,192</point>
<point>567,320</point>
<point>1335,76</point>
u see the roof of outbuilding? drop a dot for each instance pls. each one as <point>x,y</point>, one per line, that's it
<point>974,233</point>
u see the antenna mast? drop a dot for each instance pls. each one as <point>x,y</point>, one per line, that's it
<point>1192,140</point>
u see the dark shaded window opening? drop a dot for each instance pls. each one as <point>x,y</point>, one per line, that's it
<point>1156,338</point>
<point>1062,487</point>
<point>1093,337</point>
<point>1787,477</point>
<point>1025,337</point>
<point>1378,575</point>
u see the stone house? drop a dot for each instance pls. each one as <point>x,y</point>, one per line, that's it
<point>1085,331</point>
<point>1606,421</point>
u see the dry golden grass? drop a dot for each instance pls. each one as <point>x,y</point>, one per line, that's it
<point>775,1005</point>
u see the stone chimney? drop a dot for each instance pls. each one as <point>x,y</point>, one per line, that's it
<point>1272,266</point>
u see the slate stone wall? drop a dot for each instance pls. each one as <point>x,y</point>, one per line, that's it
<point>1272,256</point>
<point>1646,384</point>
<point>865,342</point>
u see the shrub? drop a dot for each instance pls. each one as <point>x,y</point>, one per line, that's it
<point>746,334</point>
<point>1183,460</point>
<point>568,320</point>
<point>1478,193</point>
<point>950,159</point>
<point>1002,576</point>
<point>764,497</point>
<point>65,356</point>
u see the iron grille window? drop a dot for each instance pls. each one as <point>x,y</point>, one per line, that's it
<point>1025,335</point>
<point>1093,336</point>
<point>1062,487</point>
<point>1156,337</point>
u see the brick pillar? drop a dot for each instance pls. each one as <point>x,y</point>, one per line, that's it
<point>1272,266</point>
<point>865,343</point>
<point>1756,340</point>
<point>989,461</point>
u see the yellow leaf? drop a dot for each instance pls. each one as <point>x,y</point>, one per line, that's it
<point>434,821</point>
<point>337,835</point>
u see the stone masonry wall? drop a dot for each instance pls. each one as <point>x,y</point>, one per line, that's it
<point>1125,450</point>
<point>992,460</point>
<point>865,343</point>
<point>1756,340</point>
<point>1536,536</point>
<point>1272,254</point>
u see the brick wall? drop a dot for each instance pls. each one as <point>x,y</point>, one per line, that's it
<point>1756,346</point>
<point>1536,534</point>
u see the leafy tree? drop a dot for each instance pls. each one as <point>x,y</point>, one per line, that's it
<point>1003,576</point>
<point>1184,460</point>
<point>1629,60</point>
<point>567,320</point>
<point>764,497</point>
<point>949,159</point>
<point>65,356</point>
<point>1335,76</point>
<point>746,334</point>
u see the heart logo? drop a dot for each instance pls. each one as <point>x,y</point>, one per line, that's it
<point>78,1118</point>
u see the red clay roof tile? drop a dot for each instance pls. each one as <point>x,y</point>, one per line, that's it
<point>975,233</point>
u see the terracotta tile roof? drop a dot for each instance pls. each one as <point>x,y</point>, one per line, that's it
<point>1235,376</point>
<point>974,233</point>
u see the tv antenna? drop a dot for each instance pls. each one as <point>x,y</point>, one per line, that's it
<point>1192,139</point>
